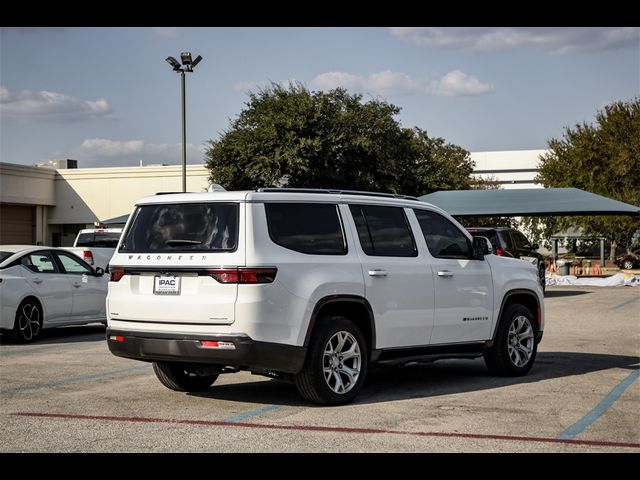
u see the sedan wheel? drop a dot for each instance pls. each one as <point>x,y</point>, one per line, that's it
<point>627,264</point>
<point>28,322</point>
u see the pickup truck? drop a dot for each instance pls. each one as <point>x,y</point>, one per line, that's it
<point>96,245</point>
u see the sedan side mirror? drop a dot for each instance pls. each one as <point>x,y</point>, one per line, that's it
<point>99,271</point>
<point>481,247</point>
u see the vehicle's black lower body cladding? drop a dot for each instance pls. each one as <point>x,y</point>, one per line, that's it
<point>247,355</point>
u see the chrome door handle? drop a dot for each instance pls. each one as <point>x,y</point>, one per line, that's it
<point>445,273</point>
<point>77,285</point>
<point>377,273</point>
<point>37,280</point>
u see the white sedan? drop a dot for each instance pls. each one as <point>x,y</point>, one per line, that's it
<point>45,287</point>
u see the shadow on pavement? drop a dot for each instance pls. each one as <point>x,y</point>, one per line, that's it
<point>563,293</point>
<point>421,380</point>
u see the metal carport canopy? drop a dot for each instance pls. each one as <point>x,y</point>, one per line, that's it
<point>122,219</point>
<point>527,202</point>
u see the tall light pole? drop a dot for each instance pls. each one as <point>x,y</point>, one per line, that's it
<point>187,66</point>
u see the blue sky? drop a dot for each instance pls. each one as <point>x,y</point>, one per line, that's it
<point>106,96</point>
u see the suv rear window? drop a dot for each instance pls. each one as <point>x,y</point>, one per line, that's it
<point>106,239</point>
<point>313,228</point>
<point>176,227</point>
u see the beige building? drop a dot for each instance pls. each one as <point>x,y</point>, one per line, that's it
<point>47,206</point>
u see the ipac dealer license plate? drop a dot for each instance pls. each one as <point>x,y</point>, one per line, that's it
<point>166,285</point>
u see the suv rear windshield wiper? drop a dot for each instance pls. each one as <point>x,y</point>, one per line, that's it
<point>179,241</point>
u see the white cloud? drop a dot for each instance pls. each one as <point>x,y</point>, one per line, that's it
<point>331,80</point>
<point>169,32</point>
<point>108,152</point>
<point>385,83</point>
<point>253,86</point>
<point>245,86</point>
<point>457,83</point>
<point>50,106</point>
<point>558,40</point>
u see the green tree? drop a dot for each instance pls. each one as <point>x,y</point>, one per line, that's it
<point>290,136</point>
<point>604,159</point>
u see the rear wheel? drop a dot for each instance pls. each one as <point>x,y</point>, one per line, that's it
<point>514,349</point>
<point>183,378</point>
<point>627,264</point>
<point>28,323</point>
<point>336,363</point>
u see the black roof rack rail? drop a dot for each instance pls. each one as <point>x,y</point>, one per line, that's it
<point>336,191</point>
<point>170,193</point>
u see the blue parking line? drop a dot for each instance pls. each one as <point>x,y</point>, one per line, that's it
<point>635,299</point>
<point>64,381</point>
<point>601,408</point>
<point>251,413</point>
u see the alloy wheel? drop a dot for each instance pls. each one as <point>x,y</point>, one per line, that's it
<point>520,341</point>
<point>341,362</point>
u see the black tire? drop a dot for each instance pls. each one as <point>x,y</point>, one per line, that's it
<point>179,377</point>
<point>28,322</point>
<point>311,381</point>
<point>541,275</point>
<point>501,358</point>
<point>627,265</point>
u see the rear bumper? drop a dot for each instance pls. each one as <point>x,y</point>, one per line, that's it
<point>247,355</point>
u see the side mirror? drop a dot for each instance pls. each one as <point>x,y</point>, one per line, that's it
<point>99,271</point>
<point>481,247</point>
<point>535,246</point>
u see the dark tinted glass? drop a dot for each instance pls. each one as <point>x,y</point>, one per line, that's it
<point>193,227</point>
<point>509,241</point>
<point>443,238</point>
<point>521,241</point>
<point>312,228</point>
<point>383,231</point>
<point>4,255</point>
<point>103,239</point>
<point>490,235</point>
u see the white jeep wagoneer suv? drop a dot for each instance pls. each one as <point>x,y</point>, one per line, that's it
<point>312,286</point>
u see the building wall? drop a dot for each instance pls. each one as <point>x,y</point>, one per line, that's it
<point>512,169</point>
<point>87,195</point>
<point>67,200</point>
<point>25,195</point>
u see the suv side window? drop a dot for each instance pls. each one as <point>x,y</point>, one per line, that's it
<point>383,231</point>
<point>443,238</point>
<point>313,228</point>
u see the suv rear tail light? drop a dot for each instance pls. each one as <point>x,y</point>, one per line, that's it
<point>87,256</point>
<point>244,275</point>
<point>220,345</point>
<point>116,273</point>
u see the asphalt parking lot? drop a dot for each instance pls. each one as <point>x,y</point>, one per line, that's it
<point>67,393</point>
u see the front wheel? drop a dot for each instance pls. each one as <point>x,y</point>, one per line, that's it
<point>336,363</point>
<point>514,349</point>
<point>182,378</point>
<point>627,265</point>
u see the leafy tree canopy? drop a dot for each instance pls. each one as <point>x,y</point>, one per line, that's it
<point>290,136</point>
<point>604,159</point>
